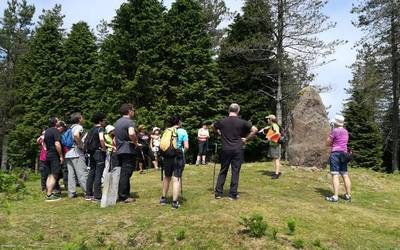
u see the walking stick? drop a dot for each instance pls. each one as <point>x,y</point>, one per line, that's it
<point>215,163</point>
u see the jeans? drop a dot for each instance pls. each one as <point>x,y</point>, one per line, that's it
<point>127,164</point>
<point>93,183</point>
<point>233,158</point>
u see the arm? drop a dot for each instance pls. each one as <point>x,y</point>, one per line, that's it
<point>329,141</point>
<point>59,151</point>
<point>186,146</point>
<point>102,142</point>
<point>253,132</point>
<point>215,129</point>
<point>78,139</point>
<point>132,135</point>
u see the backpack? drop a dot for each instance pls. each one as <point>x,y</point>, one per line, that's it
<point>67,139</point>
<point>168,143</point>
<point>283,138</point>
<point>90,145</point>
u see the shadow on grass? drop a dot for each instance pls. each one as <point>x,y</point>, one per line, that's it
<point>323,192</point>
<point>266,172</point>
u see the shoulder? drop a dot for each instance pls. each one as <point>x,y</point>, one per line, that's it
<point>182,132</point>
<point>77,127</point>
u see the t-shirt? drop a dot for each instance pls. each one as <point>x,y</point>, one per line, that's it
<point>96,139</point>
<point>232,130</point>
<point>109,142</point>
<point>75,151</point>
<point>340,138</point>
<point>203,134</point>
<point>43,151</point>
<point>144,139</point>
<point>123,142</point>
<point>51,136</point>
<point>182,137</point>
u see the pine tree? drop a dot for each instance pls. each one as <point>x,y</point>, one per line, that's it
<point>79,90</point>
<point>40,79</point>
<point>380,19</point>
<point>361,112</point>
<point>15,32</point>
<point>191,87</point>
<point>245,65</point>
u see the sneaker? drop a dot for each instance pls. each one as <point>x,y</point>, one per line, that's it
<point>276,176</point>
<point>96,200</point>
<point>203,163</point>
<point>218,196</point>
<point>347,198</point>
<point>332,199</point>
<point>52,197</point>
<point>89,198</point>
<point>175,205</point>
<point>141,172</point>
<point>129,200</point>
<point>163,201</point>
<point>72,195</point>
<point>197,163</point>
<point>232,198</point>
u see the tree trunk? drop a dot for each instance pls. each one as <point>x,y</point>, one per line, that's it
<point>395,85</point>
<point>4,156</point>
<point>279,55</point>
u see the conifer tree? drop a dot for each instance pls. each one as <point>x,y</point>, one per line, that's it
<point>361,112</point>
<point>40,82</point>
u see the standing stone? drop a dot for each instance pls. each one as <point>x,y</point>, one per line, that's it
<point>308,129</point>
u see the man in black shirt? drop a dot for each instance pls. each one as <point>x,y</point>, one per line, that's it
<point>126,143</point>
<point>235,133</point>
<point>54,157</point>
<point>97,150</point>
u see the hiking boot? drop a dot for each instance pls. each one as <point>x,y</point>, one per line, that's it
<point>175,205</point>
<point>332,199</point>
<point>52,197</point>
<point>347,198</point>
<point>276,176</point>
<point>88,198</point>
<point>163,201</point>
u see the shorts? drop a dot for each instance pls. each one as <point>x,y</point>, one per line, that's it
<point>338,163</point>
<point>53,165</point>
<point>274,151</point>
<point>143,154</point>
<point>173,166</point>
<point>154,155</point>
<point>203,147</point>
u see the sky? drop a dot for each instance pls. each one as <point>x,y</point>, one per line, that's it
<point>336,74</point>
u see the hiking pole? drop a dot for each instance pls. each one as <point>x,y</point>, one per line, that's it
<point>215,163</point>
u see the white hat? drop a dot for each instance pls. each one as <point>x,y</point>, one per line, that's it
<point>156,128</point>
<point>339,120</point>
<point>109,128</point>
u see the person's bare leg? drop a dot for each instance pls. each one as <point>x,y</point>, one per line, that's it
<point>277,166</point>
<point>176,187</point>
<point>141,167</point>
<point>166,182</point>
<point>335,184</point>
<point>347,184</point>
<point>50,183</point>
<point>155,164</point>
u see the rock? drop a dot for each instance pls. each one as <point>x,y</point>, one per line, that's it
<point>308,129</point>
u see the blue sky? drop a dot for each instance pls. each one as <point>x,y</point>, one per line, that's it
<point>336,74</point>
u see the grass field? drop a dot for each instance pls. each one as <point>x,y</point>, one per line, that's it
<point>370,221</point>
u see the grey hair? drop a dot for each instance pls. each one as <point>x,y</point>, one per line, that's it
<point>234,107</point>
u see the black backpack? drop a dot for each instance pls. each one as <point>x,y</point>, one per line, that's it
<point>90,144</point>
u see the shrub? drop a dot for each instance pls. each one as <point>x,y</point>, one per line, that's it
<point>159,236</point>
<point>255,226</point>
<point>291,226</point>
<point>298,244</point>
<point>274,233</point>
<point>180,234</point>
<point>317,243</point>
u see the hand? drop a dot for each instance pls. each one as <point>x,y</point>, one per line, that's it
<point>244,140</point>
<point>61,160</point>
<point>139,145</point>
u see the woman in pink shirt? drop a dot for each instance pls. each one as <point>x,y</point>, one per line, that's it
<point>42,159</point>
<point>339,159</point>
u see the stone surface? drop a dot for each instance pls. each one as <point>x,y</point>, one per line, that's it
<point>308,129</point>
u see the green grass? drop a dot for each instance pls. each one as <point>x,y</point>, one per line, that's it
<point>370,221</point>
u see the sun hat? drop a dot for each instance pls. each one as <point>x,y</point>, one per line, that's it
<point>109,128</point>
<point>339,120</point>
<point>156,128</point>
<point>272,117</point>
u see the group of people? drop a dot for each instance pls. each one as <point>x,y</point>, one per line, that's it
<point>120,145</point>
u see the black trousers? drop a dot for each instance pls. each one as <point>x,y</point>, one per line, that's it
<point>93,183</point>
<point>233,158</point>
<point>127,164</point>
